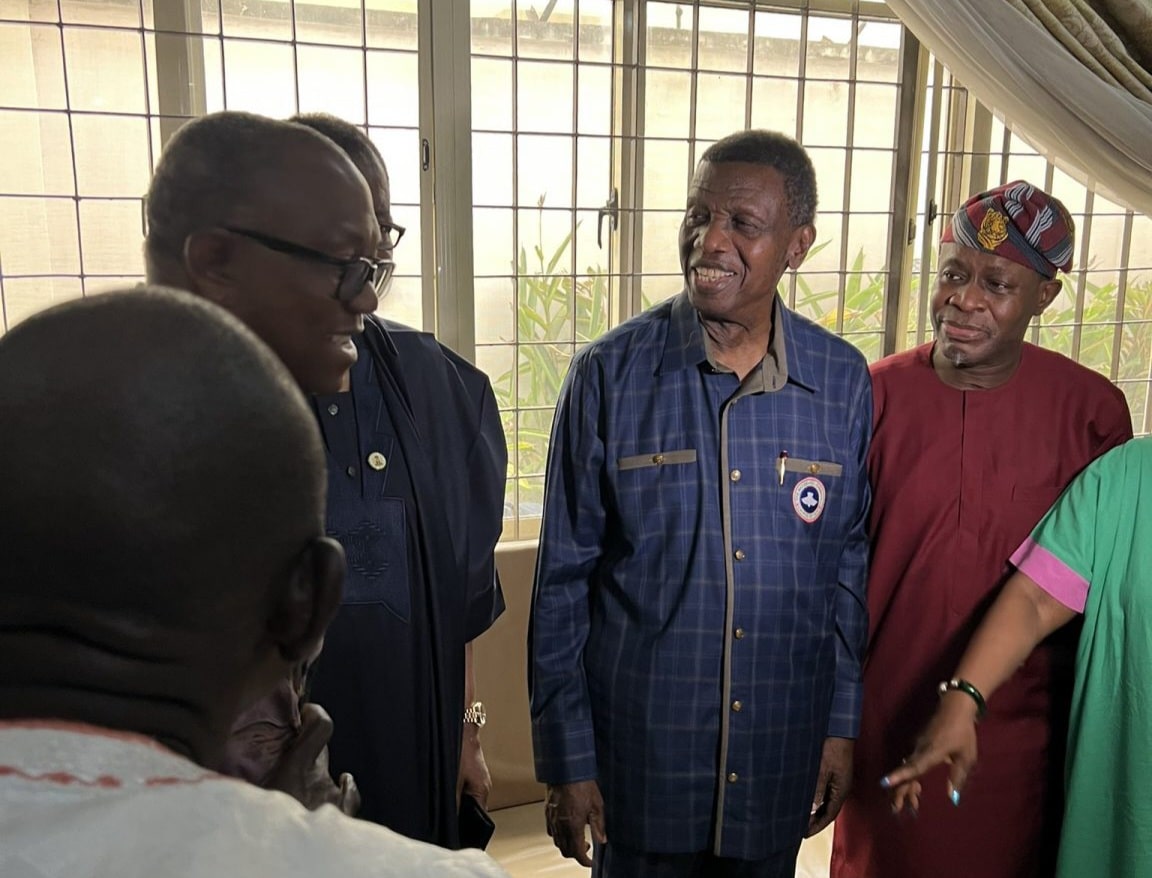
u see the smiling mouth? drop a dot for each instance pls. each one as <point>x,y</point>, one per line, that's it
<point>711,275</point>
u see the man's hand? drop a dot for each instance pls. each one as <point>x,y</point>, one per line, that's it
<point>568,809</point>
<point>302,771</point>
<point>949,737</point>
<point>832,784</point>
<point>474,776</point>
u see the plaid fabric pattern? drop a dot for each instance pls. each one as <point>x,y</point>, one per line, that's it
<point>666,593</point>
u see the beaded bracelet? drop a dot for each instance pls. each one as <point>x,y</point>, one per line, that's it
<point>958,685</point>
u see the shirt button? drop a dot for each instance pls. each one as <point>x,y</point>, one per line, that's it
<point>738,633</point>
<point>737,706</point>
<point>739,555</point>
<point>735,475</point>
<point>351,471</point>
<point>333,409</point>
<point>733,777</point>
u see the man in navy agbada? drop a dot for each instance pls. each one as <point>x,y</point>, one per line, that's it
<point>698,616</point>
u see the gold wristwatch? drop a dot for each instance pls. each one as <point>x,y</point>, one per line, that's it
<point>476,714</point>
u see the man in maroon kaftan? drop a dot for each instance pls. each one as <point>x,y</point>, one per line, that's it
<point>975,436</point>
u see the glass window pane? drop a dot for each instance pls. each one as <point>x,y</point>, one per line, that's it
<point>826,113</point>
<point>112,237</point>
<point>829,165</point>
<point>595,33</point>
<point>829,48</point>
<point>111,155</point>
<point>401,150</point>
<point>818,296</point>
<point>868,241</point>
<point>492,161</point>
<point>878,51</point>
<point>544,96</point>
<point>491,27</point>
<point>871,180</point>
<point>38,236</point>
<point>825,252</point>
<point>545,38</point>
<point>594,100</point>
<point>23,298</point>
<point>492,238</point>
<point>38,154</point>
<point>541,369</point>
<point>33,67</point>
<point>774,104</point>
<point>668,41</point>
<point>495,310</point>
<point>1136,348</point>
<point>105,70</point>
<point>593,172</point>
<point>720,104</point>
<point>661,230</point>
<point>391,24</point>
<point>335,22</point>
<point>270,20</point>
<point>103,12</point>
<point>875,115</point>
<point>864,301</point>
<point>667,109</point>
<point>260,78</point>
<point>723,39</point>
<point>590,258</point>
<point>544,165</point>
<point>498,362</point>
<point>777,46</point>
<point>404,301</point>
<point>331,81</point>
<point>491,94</point>
<point>666,175</point>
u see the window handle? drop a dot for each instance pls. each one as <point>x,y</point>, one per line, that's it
<point>611,209</point>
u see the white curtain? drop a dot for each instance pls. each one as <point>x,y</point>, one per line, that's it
<point>1085,114</point>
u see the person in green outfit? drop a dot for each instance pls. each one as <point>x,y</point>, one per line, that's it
<point>1090,554</point>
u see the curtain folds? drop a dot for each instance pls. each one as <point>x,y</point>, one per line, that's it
<point>1070,75</point>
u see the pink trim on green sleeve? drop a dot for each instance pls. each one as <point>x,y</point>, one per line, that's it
<point>1051,574</point>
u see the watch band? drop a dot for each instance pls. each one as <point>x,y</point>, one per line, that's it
<point>476,715</point>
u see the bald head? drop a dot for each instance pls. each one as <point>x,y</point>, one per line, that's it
<point>160,478</point>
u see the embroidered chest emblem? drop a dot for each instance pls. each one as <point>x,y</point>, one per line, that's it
<point>993,230</point>
<point>808,499</point>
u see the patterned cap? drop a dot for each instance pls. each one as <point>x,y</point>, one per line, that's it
<point>1019,222</point>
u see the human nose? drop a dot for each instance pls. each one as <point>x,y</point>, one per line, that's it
<point>713,235</point>
<point>966,296</point>
<point>364,302</point>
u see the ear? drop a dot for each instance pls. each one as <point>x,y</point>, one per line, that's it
<point>1049,290</point>
<point>307,600</point>
<point>800,244</point>
<point>208,263</point>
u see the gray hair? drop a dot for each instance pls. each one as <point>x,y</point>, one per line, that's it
<point>210,167</point>
<point>772,149</point>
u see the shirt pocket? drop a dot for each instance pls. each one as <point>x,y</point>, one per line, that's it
<point>811,486</point>
<point>657,458</point>
<point>376,549</point>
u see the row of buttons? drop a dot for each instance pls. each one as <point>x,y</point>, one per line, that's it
<point>376,460</point>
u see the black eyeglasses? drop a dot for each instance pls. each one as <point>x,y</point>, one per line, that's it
<point>391,234</point>
<point>354,274</point>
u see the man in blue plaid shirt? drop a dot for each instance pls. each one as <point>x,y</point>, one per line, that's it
<point>698,617</point>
